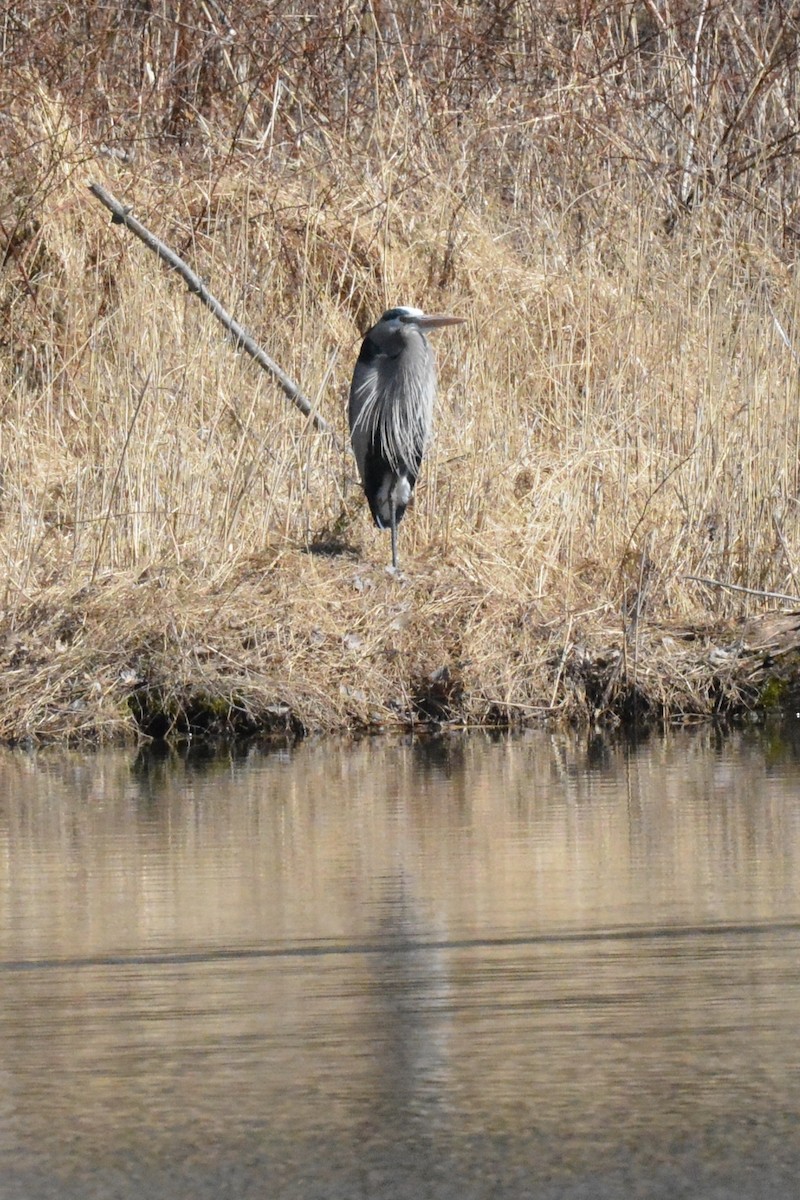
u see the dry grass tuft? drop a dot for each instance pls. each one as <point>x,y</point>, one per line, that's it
<point>610,199</point>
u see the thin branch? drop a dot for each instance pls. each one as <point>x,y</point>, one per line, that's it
<point>113,493</point>
<point>781,331</point>
<point>766,67</point>
<point>121,215</point>
<point>689,162</point>
<point>737,587</point>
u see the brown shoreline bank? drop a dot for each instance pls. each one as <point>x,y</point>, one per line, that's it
<point>301,643</point>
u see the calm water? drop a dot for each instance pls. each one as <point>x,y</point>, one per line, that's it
<point>526,968</point>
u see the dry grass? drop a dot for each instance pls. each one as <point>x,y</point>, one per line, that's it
<point>603,195</point>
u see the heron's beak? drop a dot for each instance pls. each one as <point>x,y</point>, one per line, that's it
<point>435,320</point>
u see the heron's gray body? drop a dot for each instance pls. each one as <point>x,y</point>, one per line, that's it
<point>391,411</point>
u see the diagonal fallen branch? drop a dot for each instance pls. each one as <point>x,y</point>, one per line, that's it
<point>737,587</point>
<point>121,215</point>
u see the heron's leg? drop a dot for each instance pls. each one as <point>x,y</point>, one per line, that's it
<point>393,519</point>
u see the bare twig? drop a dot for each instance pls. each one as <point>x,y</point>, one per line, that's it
<point>120,464</point>
<point>737,587</point>
<point>767,66</point>
<point>690,157</point>
<point>781,331</point>
<point>122,216</point>
<point>564,656</point>
<point>786,552</point>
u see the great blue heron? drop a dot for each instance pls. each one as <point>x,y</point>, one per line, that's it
<point>391,410</point>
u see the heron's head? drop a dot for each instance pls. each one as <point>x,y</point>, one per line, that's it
<point>403,316</point>
<point>402,330</point>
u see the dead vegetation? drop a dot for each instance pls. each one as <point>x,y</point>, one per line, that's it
<point>607,192</point>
